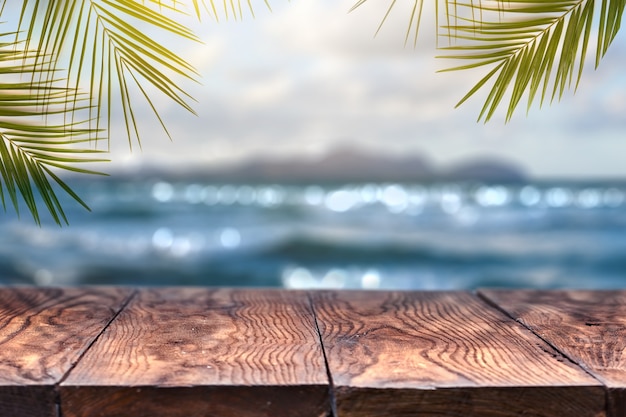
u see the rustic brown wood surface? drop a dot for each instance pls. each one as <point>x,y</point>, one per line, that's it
<point>200,352</point>
<point>587,326</point>
<point>43,333</point>
<point>444,354</point>
<point>223,352</point>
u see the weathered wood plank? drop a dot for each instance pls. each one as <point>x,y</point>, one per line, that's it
<point>43,333</point>
<point>201,352</point>
<point>587,326</point>
<point>444,354</point>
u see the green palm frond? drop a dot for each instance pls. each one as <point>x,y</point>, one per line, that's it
<point>530,47</point>
<point>229,8</point>
<point>415,16</point>
<point>28,162</point>
<point>537,48</point>
<point>108,52</point>
<point>109,45</point>
<point>32,145</point>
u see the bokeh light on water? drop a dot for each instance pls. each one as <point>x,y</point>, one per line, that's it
<point>371,236</point>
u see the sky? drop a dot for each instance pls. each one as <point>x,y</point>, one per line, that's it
<point>309,77</point>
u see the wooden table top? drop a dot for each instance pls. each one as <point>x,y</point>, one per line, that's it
<point>220,352</point>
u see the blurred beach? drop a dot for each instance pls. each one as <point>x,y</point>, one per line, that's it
<point>439,235</point>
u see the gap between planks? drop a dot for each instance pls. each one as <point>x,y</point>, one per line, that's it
<point>554,346</point>
<point>331,385</point>
<point>57,385</point>
<point>607,394</point>
<point>93,342</point>
<point>587,326</point>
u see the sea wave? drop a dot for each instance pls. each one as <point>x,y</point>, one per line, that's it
<point>409,236</point>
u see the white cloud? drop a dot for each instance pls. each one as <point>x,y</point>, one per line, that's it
<point>326,29</point>
<point>309,76</point>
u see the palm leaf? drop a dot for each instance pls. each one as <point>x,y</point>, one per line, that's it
<point>104,46</point>
<point>109,44</point>
<point>32,146</point>
<point>229,8</point>
<point>539,47</point>
<point>415,16</point>
<point>534,48</point>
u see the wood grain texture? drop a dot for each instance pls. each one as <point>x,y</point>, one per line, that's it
<point>43,333</point>
<point>587,326</point>
<point>201,352</point>
<point>444,354</point>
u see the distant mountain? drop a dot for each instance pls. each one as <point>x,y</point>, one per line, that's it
<point>345,165</point>
<point>486,170</point>
<point>342,165</point>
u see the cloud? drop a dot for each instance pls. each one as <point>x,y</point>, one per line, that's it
<point>310,76</point>
<point>326,29</point>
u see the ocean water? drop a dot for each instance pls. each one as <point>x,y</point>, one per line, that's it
<point>375,236</point>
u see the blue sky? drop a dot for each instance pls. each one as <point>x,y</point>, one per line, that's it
<point>309,77</point>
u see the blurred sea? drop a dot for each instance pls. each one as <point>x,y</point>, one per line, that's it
<point>388,236</point>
